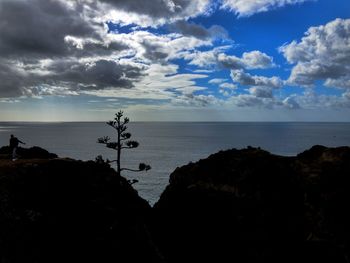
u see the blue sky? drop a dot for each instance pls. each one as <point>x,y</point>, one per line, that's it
<point>175,60</point>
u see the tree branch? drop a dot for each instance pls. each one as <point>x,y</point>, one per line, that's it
<point>126,147</point>
<point>132,170</point>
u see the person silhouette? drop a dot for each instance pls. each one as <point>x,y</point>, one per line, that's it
<point>14,142</point>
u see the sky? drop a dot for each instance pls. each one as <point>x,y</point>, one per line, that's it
<point>175,60</point>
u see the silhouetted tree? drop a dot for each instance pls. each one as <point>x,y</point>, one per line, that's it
<point>119,124</point>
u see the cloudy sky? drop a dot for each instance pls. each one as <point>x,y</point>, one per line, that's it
<point>175,60</point>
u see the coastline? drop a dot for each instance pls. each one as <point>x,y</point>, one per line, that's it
<point>270,207</point>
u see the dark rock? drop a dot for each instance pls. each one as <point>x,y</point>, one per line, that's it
<point>251,206</point>
<point>27,153</point>
<point>63,210</point>
<point>235,206</point>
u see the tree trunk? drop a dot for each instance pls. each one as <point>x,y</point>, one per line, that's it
<point>118,152</point>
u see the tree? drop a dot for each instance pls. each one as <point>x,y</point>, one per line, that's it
<point>119,124</point>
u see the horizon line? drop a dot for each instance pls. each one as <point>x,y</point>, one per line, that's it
<point>179,121</point>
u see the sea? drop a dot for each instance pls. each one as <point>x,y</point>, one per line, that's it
<point>167,145</point>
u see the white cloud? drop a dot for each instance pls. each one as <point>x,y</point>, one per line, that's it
<point>216,81</point>
<point>261,92</point>
<point>231,62</point>
<point>250,60</point>
<point>145,14</point>
<point>250,7</point>
<point>160,82</point>
<point>203,59</point>
<point>196,100</point>
<point>323,54</point>
<point>207,71</point>
<point>291,103</point>
<point>227,89</point>
<point>246,79</point>
<point>312,100</point>
<point>252,101</point>
<point>257,60</point>
<point>151,47</point>
<point>228,86</point>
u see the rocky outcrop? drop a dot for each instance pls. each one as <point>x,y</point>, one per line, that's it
<point>252,206</point>
<point>62,210</point>
<point>235,206</point>
<point>27,153</point>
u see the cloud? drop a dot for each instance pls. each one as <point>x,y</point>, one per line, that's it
<point>291,103</point>
<point>231,62</point>
<point>159,12</point>
<point>227,89</point>
<point>96,75</point>
<point>250,60</point>
<point>257,60</point>
<point>216,81</point>
<point>47,45</point>
<point>38,28</point>
<point>312,100</point>
<point>12,80</point>
<point>160,82</point>
<point>322,54</point>
<point>148,47</point>
<point>309,100</point>
<point>251,7</point>
<point>228,86</point>
<point>195,100</point>
<point>66,76</point>
<point>261,92</point>
<point>203,71</point>
<point>252,101</point>
<point>205,59</point>
<point>190,29</point>
<point>64,48</point>
<point>246,79</point>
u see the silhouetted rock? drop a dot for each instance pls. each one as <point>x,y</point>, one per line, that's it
<point>27,153</point>
<point>235,206</point>
<point>63,210</point>
<point>251,206</point>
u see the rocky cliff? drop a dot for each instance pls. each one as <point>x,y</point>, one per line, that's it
<point>62,210</point>
<point>235,206</point>
<point>251,206</point>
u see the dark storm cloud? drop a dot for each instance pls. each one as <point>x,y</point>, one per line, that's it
<point>93,76</point>
<point>11,82</point>
<point>37,28</point>
<point>91,49</point>
<point>102,74</point>
<point>154,51</point>
<point>42,42</point>
<point>64,44</point>
<point>76,76</point>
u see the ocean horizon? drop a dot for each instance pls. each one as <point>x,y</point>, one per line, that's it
<point>168,145</point>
